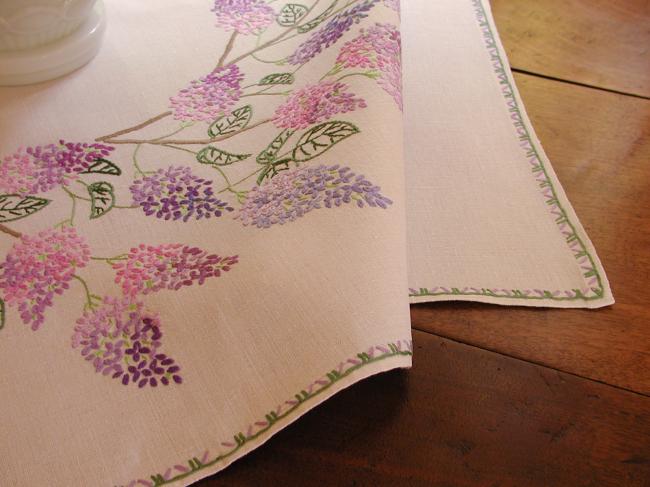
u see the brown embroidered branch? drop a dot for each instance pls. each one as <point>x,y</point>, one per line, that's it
<point>227,50</point>
<point>165,142</point>
<point>9,231</point>
<point>106,138</point>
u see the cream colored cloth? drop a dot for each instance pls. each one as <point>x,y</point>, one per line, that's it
<point>249,318</point>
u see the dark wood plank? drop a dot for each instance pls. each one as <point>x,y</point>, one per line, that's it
<point>599,144</point>
<point>461,417</point>
<point>603,43</point>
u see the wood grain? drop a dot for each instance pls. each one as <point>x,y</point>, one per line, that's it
<point>461,417</point>
<point>599,144</point>
<point>603,43</point>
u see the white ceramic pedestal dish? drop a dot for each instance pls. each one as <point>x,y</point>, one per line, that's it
<point>40,43</point>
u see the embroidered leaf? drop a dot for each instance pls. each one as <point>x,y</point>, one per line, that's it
<point>14,207</point>
<point>318,20</point>
<point>102,199</point>
<point>229,124</point>
<point>218,157</point>
<point>3,310</point>
<point>272,169</point>
<point>320,138</point>
<point>268,155</point>
<point>291,13</point>
<point>103,166</point>
<point>277,79</point>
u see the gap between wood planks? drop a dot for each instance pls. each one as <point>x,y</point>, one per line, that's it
<point>577,83</point>
<point>534,362</point>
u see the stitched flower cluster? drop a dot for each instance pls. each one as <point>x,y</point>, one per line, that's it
<point>330,33</point>
<point>209,97</point>
<point>315,103</point>
<point>174,193</point>
<point>41,168</point>
<point>39,267</point>
<point>149,268</point>
<point>394,4</point>
<point>292,194</point>
<point>123,339</point>
<point>378,47</point>
<point>243,16</point>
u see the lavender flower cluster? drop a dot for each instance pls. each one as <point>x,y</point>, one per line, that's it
<point>209,97</point>
<point>39,267</point>
<point>315,103</point>
<point>149,268</point>
<point>41,168</point>
<point>292,194</point>
<point>243,16</point>
<point>330,33</point>
<point>122,339</point>
<point>175,193</point>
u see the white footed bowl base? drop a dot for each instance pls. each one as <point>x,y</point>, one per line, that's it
<point>49,61</point>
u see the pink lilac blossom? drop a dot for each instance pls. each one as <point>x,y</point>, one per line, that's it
<point>122,339</point>
<point>39,267</point>
<point>330,33</point>
<point>41,168</point>
<point>380,48</point>
<point>243,16</point>
<point>394,4</point>
<point>209,97</point>
<point>149,268</point>
<point>175,193</point>
<point>292,194</point>
<point>315,103</point>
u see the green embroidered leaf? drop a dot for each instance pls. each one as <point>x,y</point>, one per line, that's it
<point>217,157</point>
<point>268,155</point>
<point>321,138</point>
<point>318,20</point>
<point>3,311</point>
<point>291,13</point>
<point>102,199</point>
<point>229,124</point>
<point>14,207</point>
<point>272,169</point>
<point>103,166</point>
<point>277,79</point>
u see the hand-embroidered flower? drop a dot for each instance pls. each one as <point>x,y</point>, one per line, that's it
<point>380,48</point>
<point>243,16</point>
<point>39,267</point>
<point>175,193</point>
<point>316,103</point>
<point>122,339</point>
<point>394,4</point>
<point>43,167</point>
<point>332,32</point>
<point>149,268</point>
<point>209,97</point>
<point>294,193</point>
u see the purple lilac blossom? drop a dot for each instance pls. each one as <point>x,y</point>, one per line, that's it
<point>209,97</point>
<point>41,168</point>
<point>292,194</point>
<point>149,268</point>
<point>243,16</point>
<point>39,267</point>
<point>175,193</point>
<point>378,47</point>
<point>315,103</point>
<point>122,340</point>
<point>330,33</point>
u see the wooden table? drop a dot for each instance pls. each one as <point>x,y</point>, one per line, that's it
<point>516,396</point>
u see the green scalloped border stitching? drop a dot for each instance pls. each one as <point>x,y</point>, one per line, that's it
<point>255,430</point>
<point>594,288</point>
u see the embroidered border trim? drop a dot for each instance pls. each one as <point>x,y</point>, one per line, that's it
<point>593,288</point>
<point>180,471</point>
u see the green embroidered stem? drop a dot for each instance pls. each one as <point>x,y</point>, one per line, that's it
<point>90,303</point>
<point>367,74</point>
<point>9,231</point>
<point>73,209</point>
<point>237,183</point>
<point>262,92</point>
<point>110,260</point>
